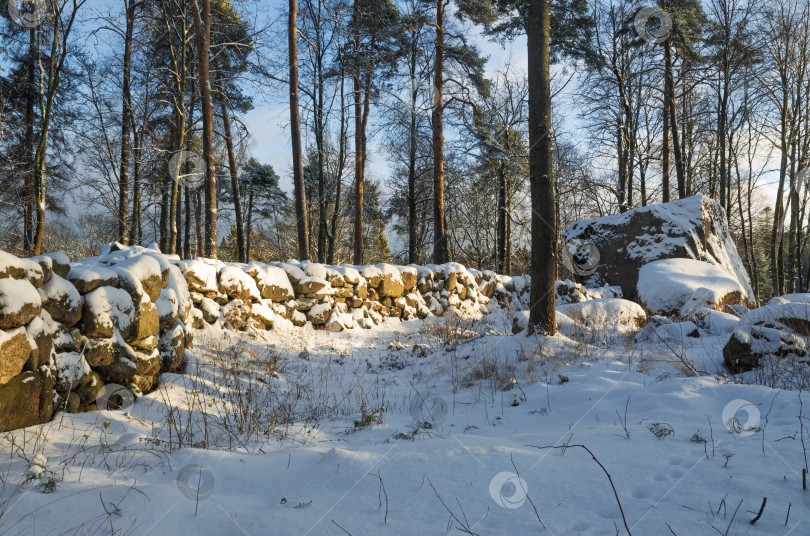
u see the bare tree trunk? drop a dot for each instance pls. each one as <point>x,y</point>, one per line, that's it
<point>187,241</point>
<point>673,118</point>
<point>137,228</point>
<point>249,223</point>
<point>330,256</point>
<point>437,122</point>
<point>199,223</point>
<point>28,180</point>
<point>295,133</point>
<point>501,234</point>
<point>359,163</point>
<point>126,122</point>
<point>48,98</point>
<point>665,187</point>
<point>237,199</point>
<point>543,269</point>
<point>202,25</point>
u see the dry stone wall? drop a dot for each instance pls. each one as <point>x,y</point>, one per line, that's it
<point>68,330</point>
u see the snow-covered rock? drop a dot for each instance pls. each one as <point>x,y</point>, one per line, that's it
<point>105,309</point>
<point>605,312</point>
<point>19,302</point>
<point>61,300</point>
<point>777,329</point>
<point>273,283</point>
<point>236,283</point>
<point>672,285</point>
<point>694,227</point>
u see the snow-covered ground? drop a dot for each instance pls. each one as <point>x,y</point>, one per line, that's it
<point>422,427</point>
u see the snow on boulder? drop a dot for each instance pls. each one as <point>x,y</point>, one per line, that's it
<point>667,332</point>
<point>779,329</point>
<point>61,300</point>
<point>350,275</point>
<point>139,275</point>
<point>236,283</point>
<point>373,275</point>
<point>177,283</point>
<point>201,276</point>
<point>106,309</point>
<point>605,312</point>
<point>273,283</point>
<point>564,322</point>
<point>319,313</point>
<point>14,349</point>
<point>694,228</point>
<point>717,322</point>
<point>19,303</point>
<point>391,285</point>
<point>294,273</point>
<point>786,316</point>
<point>667,286</point>
<point>314,269</point>
<point>88,274</point>
<point>16,268</point>
<point>60,262</point>
<point>167,307</point>
<point>409,277</point>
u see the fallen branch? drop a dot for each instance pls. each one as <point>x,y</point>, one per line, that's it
<point>615,494</point>
<point>761,509</point>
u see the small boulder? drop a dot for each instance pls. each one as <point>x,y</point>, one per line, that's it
<point>61,300</point>
<point>235,283</point>
<point>106,309</point>
<point>88,275</point>
<point>26,400</point>
<point>15,350</point>
<point>19,303</point>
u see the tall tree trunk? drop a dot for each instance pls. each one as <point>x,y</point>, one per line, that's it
<point>295,133</point>
<point>249,223</point>
<point>126,122</point>
<point>28,148</point>
<point>359,156</point>
<point>673,118</point>
<point>665,186</point>
<point>187,229</point>
<point>137,228</point>
<point>543,267</point>
<point>437,122</point>
<point>333,229</point>
<point>507,258</point>
<point>777,273</point>
<point>501,234</point>
<point>202,26</point>
<point>199,223</point>
<point>237,198</point>
<point>319,144</point>
<point>48,94</point>
<point>178,244</point>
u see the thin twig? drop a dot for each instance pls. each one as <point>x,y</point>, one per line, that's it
<point>615,494</point>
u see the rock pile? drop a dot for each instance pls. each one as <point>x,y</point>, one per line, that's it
<point>67,328</point>
<point>334,298</point>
